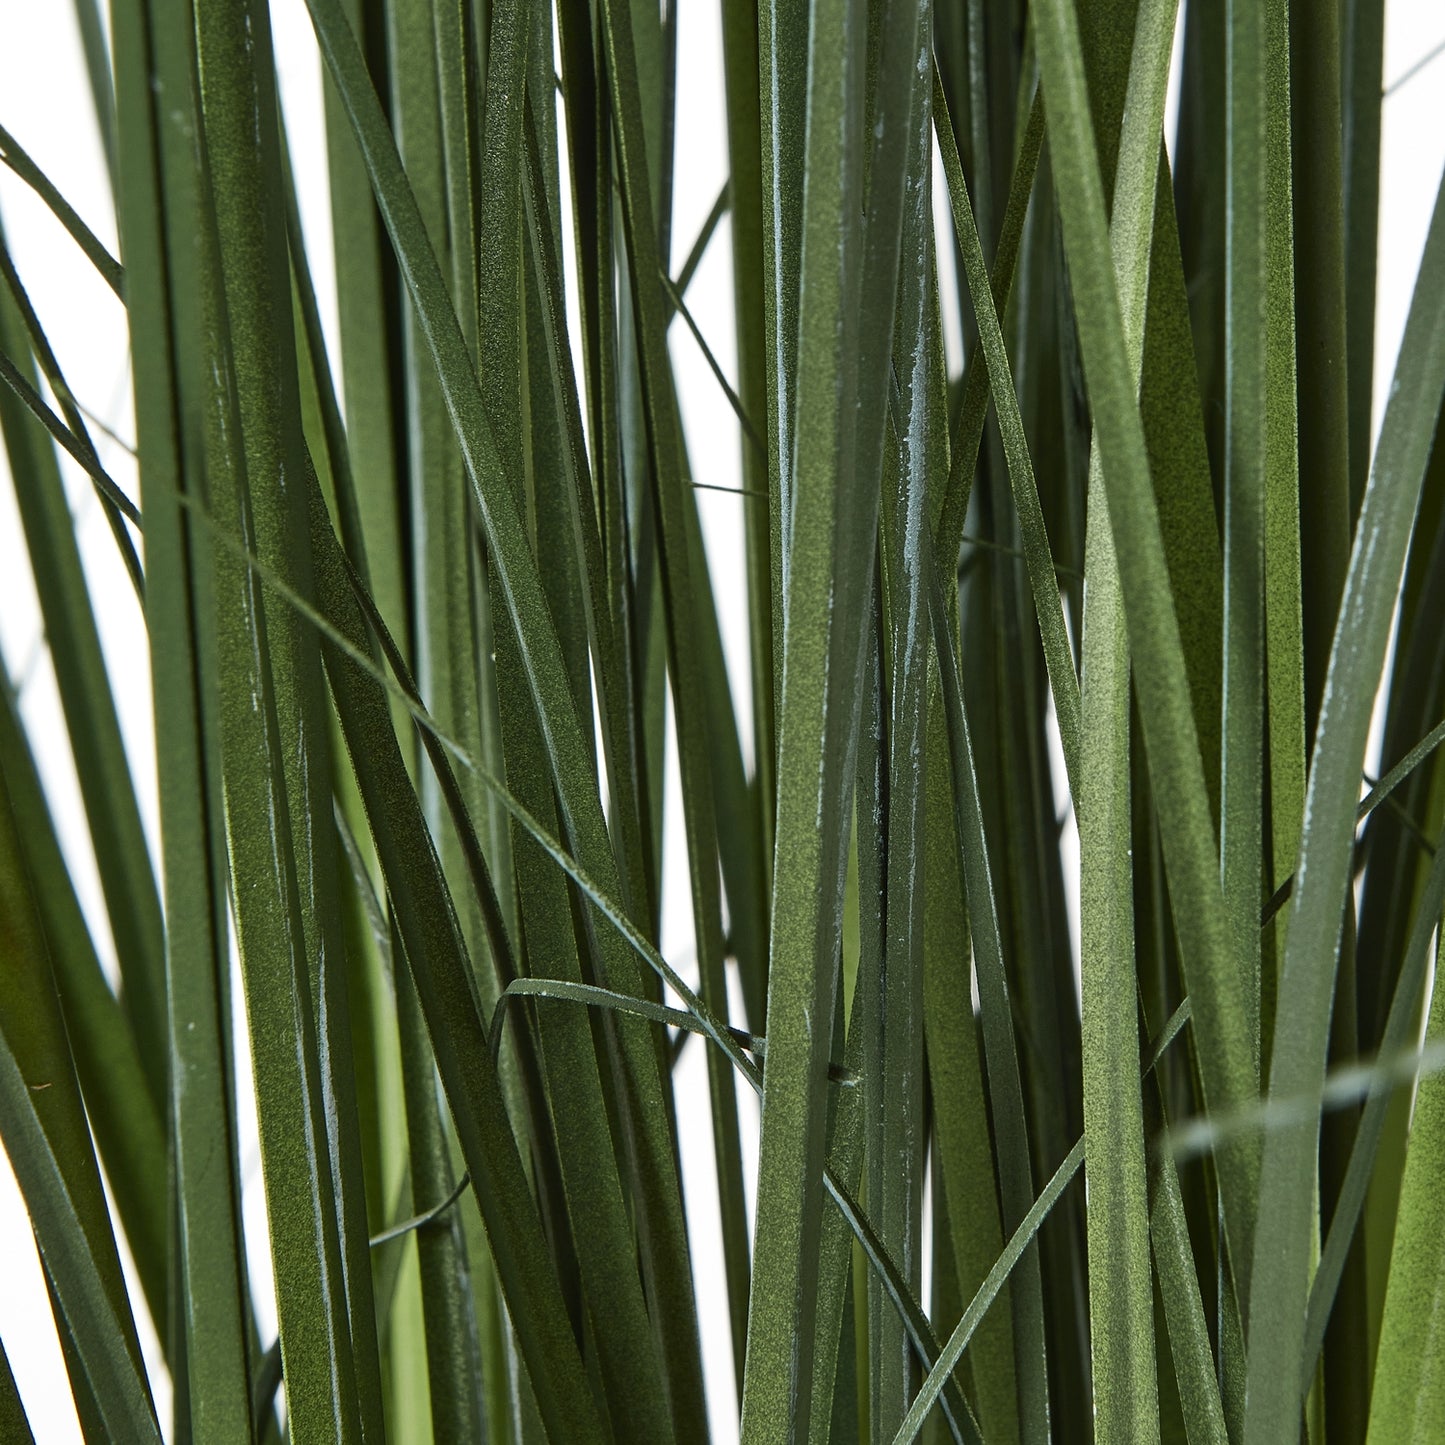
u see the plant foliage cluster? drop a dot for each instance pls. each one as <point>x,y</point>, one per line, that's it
<point>417,636</point>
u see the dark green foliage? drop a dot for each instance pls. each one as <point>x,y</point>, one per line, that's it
<point>422,639</point>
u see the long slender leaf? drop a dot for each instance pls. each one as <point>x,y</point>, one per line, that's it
<point>847,289</point>
<point>1018,1243</point>
<point>1306,987</point>
<point>163,303</point>
<point>1216,982</point>
<point>1000,1046</point>
<point>1037,553</point>
<point>449,663</point>
<point>15,157</point>
<point>112,810</point>
<point>129,1129</point>
<point>1407,1397</point>
<point>12,1408</point>
<point>45,1137</point>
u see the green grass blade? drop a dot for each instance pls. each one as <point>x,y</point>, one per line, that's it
<point>1409,1389</point>
<point>605,628</point>
<point>364,281</point>
<point>1362,65</point>
<point>323,424</point>
<point>1403,1017</point>
<point>1174,433</point>
<point>1178,1276</point>
<point>1401,771</point>
<point>1318,451</point>
<point>112,811</point>
<point>960,1114</point>
<point>1120,1298</point>
<point>1019,1242</point>
<point>79,450</point>
<point>1000,1047</point>
<point>687,592</point>
<point>128,1127</point>
<point>47,1140</point>
<point>968,427</point>
<point>742,81</point>
<point>163,244</point>
<point>347,650</point>
<point>343,639</point>
<point>1306,985</point>
<point>720,208</point>
<point>835,1383</point>
<point>1039,557</point>
<point>915,441</point>
<point>1216,980</point>
<point>453,1348</point>
<point>568,751</point>
<point>455,78</point>
<point>739,851</point>
<point>845,1317</point>
<point>1199,200</point>
<point>783,42</point>
<point>274,959</point>
<point>1328,369</point>
<point>961,1423</point>
<point>750,431</point>
<point>1120,1293</point>
<point>91,18</point>
<point>807,892</point>
<point>323,1294</point>
<point>1395,875</point>
<point>557,482</point>
<point>848,286</point>
<point>500,239</point>
<point>426,1217</point>
<point>430,75</point>
<point>594,997</point>
<point>116,506</point>
<point>1014,1251</point>
<point>114,1378</point>
<point>705,233</point>
<point>13,1423</point>
<point>381,1101</point>
<point>434,951</point>
<point>1242,753</point>
<point>15,157</point>
<point>624,717</point>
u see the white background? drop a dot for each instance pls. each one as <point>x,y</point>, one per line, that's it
<point>44,102</point>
